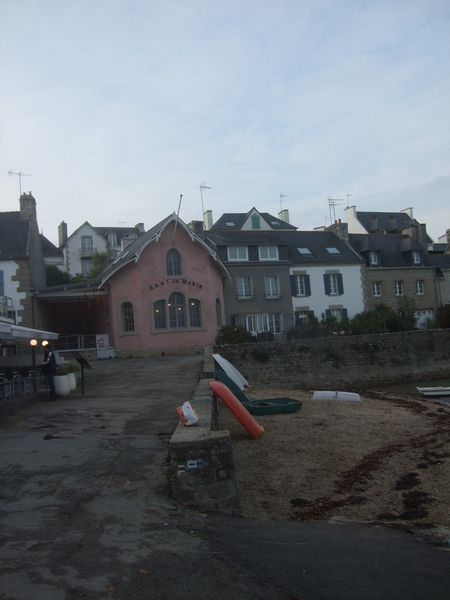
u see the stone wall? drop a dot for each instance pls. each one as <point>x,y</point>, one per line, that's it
<point>345,362</point>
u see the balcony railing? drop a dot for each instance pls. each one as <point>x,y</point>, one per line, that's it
<point>87,252</point>
<point>6,308</point>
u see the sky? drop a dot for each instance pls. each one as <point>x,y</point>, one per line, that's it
<point>113,109</point>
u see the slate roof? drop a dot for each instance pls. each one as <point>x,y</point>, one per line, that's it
<point>13,236</point>
<point>389,249</point>
<point>120,232</point>
<point>49,248</point>
<point>238,220</point>
<point>316,241</point>
<point>385,220</point>
<point>133,251</point>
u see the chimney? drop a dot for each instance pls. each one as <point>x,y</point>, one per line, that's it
<point>208,219</point>
<point>284,215</point>
<point>340,230</point>
<point>62,233</point>
<point>408,211</point>
<point>140,227</point>
<point>28,207</point>
<point>197,228</point>
<point>447,250</point>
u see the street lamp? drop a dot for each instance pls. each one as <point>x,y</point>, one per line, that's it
<point>33,344</point>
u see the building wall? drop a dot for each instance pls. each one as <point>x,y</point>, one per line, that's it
<point>73,247</point>
<point>318,301</point>
<point>388,277</point>
<point>259,304</point>
<point>11,280</point>
<point>146,282</point>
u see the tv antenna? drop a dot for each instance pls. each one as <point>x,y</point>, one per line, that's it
<point>123,223</point>
<point>203,187</point>
<point>20,175</point>
<point>281,200</point>
<point>332,203</point>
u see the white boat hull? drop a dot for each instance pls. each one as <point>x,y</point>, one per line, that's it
<point>343,396</point>
<point>434,391</point>
<point>232,372</point>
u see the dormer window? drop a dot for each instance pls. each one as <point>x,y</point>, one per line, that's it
<point>237,253</point>
<point>373,258</point>
<point>268,252</point>
<point>416,257</point>
<point>256,222</point>
<point>112,240</point>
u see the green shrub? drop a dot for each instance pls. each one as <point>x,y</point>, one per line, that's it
<point>233,334</point>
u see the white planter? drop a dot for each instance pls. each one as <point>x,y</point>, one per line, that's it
<point>62,385</point>
<point>72,382</point>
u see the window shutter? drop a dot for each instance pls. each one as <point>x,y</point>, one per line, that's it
<point>2,284</point>
<point>296,314</point>
<point>344,313</point>
<point>326,281</point>
<point>307,286</point>
<point>340,283</point>
<point>327,313</point>
<point>293,286</point>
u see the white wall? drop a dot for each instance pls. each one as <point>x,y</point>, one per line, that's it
<point>319,302</point>
<point>72,249</point>
<point>9,268</point>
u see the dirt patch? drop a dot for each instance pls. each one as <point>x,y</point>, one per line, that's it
<point>385,459</point>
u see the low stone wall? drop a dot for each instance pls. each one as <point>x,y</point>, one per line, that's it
<point>201,456</point>
<point>345,362</point>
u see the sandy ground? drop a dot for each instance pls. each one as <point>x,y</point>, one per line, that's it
<point>385,459</point>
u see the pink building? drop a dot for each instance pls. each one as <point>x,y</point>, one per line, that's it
<point>164,291</point>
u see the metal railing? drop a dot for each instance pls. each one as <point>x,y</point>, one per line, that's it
<point>6,308</point>
<point>18,387</point>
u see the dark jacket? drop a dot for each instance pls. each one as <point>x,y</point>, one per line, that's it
<point>48,365</point>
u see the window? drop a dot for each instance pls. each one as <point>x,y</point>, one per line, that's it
<point>244,287</point>
<point>376,288</point>
<point>334,285</point>
<point>301,317</point>
<point>272,287</point>
<point>336,313</point>
<point>218,313</point>
<point>416,257</point>
<point>177,311</point>
<point>332,250</point>
<point>420,286</point>
<point>237,253</point>
<point>260,323</point>
<point>112,240</point>
<point>255,222</point>
<point>159,314</point>
<point>2,284</point>
<point>87,246</point>
<point>304,251</point>
<point>300,285</point>
<point>173,263</point>
<point>195,319</point>
<point>268,252</point>
<point>86,267</point>
<point>127,317</point>
<point>399,288</point>
<point>373,258</point>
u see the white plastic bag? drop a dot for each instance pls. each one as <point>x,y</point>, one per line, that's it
<point>187,414</point>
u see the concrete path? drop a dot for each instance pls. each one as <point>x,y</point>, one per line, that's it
<point>86,513</point>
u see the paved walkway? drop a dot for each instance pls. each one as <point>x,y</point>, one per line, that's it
<point>85,512</point>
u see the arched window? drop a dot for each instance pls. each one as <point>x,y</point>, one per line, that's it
<point>177,311</point>
<point>127,317</point>
<point>218,313</point>
<point>159,312</point>
<point>173,263</point>
<point>195,316</point>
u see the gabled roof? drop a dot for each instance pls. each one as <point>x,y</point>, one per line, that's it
<point>13,236</point>
<point>394,249</point>
<point>235,221</point>
<point>120,232</point>
<point>48,247</point>
<point>316,242</point>
<point>132,253</point>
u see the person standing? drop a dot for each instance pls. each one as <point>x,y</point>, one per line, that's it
<point>48,367</point>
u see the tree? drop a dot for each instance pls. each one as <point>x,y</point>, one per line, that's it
<point>55,276</point>
<point>100,260</point>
